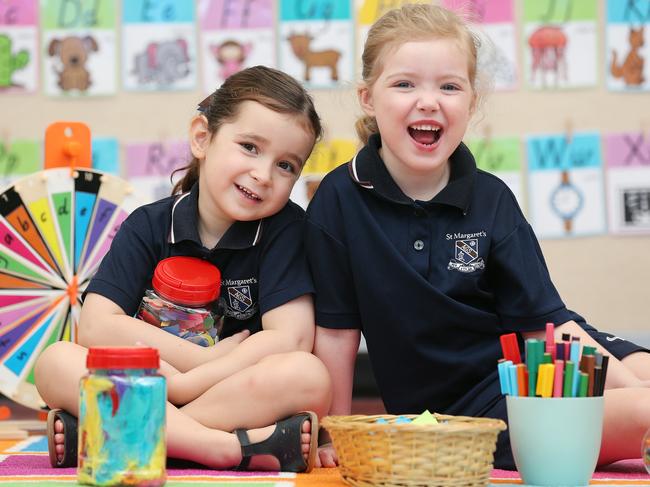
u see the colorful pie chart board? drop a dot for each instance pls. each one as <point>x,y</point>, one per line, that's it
<point>55,227</point>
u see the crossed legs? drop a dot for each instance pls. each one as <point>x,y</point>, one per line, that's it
<point>254,398</point>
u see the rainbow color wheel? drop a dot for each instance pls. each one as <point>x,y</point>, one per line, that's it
<point>55,227</point>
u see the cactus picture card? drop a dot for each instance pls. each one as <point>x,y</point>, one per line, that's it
<point>159,45</point>
<point>496,26</point>
<point>235,34</point>
<point>149,166</point>
<point>79,40</point>
<point>565,185</point>
<point>316,41</point>
<point>19,158</point>
<point>627,156</point>
<point>18,46</point>
<point>502,157</point>
<point>627,47</point>
<point>560,43</point>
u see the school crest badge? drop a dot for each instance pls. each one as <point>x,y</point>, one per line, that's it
<point>239,298</point>
<point>466,257</point>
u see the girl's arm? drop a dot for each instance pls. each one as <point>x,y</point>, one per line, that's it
<point>337,349</point>
<point>287,328</point>
<point>618,375</point>
<point>103,323</point>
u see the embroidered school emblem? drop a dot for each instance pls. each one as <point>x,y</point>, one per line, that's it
<point>466,258</point>
<point>239,298</point>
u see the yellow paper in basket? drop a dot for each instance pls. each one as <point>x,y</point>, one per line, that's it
<point>425,418</point>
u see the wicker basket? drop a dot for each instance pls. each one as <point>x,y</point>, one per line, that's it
<point>458,451</point>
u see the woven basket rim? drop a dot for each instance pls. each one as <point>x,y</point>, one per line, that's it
<point>447,424</point>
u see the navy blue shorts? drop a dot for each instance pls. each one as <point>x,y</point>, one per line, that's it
<point>486,400</point>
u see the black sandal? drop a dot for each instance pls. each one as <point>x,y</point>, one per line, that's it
<point>284,444</point>
<point>70,438</point>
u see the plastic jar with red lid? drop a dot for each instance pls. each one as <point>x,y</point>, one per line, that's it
<point>122,404</point>
<point>184,289</point>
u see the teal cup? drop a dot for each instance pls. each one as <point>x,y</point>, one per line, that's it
<point>555,441</point>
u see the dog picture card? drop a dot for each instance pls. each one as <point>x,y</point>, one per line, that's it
<point>235,34</point>
<point>18,46</point>
<point>78,47</point>
<point>159,45</point>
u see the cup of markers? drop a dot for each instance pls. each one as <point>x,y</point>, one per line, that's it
<point>555,405</point>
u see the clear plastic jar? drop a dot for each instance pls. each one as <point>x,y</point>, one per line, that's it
<point>122,406</point>
<point>183,290</point>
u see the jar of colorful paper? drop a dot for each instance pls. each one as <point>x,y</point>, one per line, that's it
<point>122,407</point>
<point>184,289</point>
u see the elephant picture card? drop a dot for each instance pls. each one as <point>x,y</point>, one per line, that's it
<point>78,47</point>
<point>316,42</point>
<point>18,46</point>
<point>235,34</point>
<point>159,45</point>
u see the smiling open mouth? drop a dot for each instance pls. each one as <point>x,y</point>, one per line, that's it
<point>250,195</point>
<point>425,134</point>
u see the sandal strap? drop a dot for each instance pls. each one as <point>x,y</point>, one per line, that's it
<point>244,441</point>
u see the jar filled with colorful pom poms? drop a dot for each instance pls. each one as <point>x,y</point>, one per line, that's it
<point>184,289</point>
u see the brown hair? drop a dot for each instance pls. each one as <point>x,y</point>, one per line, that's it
<point>272,88</point>
<point>411,22</point>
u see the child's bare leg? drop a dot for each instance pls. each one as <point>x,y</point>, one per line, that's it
<point>627,418</point>
<point>274,388</point>
<point>639,363</point>
<point>57,374</point>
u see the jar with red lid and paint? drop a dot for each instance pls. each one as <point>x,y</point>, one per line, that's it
<point>184,290</point>
<point>122,404</point>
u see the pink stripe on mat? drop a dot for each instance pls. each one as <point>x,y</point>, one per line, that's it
<point>623,470</point>
<point>18,465</point>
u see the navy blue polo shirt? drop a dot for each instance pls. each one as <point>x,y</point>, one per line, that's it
<point>262,262</point>
<point>431,284</point>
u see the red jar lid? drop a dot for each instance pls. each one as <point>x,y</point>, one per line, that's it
<point>122,358</point>
<point>187,281</point>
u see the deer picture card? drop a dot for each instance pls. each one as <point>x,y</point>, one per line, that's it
<point>316,42</point>
<point>627,46</point>
<point>18,46</point>
<point>159,45</point>
<point>560,43</point>
<point>78,47</point>
<point>627,156</point>
<point>565,185</point>
<point>235,34</point>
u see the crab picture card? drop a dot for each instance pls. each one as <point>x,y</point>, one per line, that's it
<point>159,45</point>
<point>106,154</point>
<point>565,185</point>
<point>149,167</point>
<point>502,157</point>
<point>78,47</point>
<point>560,43</point>
<point>494,22</point>
<point>316,42</point>
<point>627,156</point>
<point>18,46</point>
<point>627,45</point>
<point>235,34</point>
<point>19,158</point>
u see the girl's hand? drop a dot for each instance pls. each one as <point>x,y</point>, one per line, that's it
<point>228,344</point>
<point>327,456</point>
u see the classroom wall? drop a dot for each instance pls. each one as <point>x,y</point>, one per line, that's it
<point>605,278</point>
